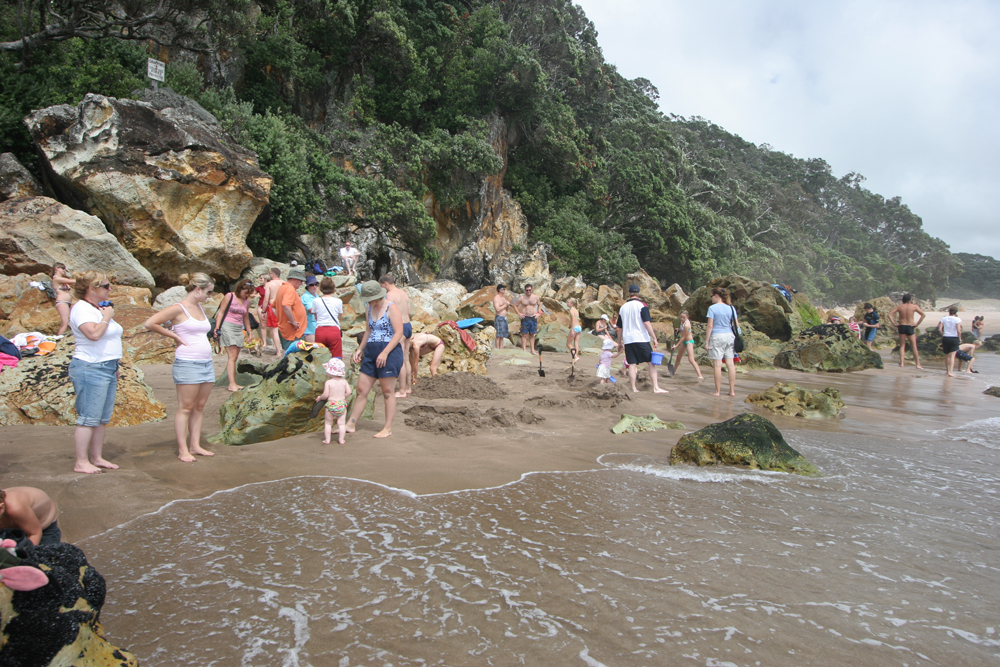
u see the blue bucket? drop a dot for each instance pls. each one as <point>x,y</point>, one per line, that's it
<point>656,358</point>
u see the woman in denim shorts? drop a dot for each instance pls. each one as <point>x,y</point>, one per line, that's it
<point>94,367</point>
<point>194,373</point>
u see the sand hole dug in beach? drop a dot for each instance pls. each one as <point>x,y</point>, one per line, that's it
<point>464,420</point>
<point>459,385</point>
<point>598,396</point>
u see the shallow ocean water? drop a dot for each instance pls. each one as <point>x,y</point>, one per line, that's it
<point>890,558</point>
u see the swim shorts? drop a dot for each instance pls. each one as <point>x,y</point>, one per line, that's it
<point>964,356</point>
<point>407,330</point>
<point>272,318</point>
<point>529,325</point>
<point>905,329</point>
<point>336,407</point>
<point>500,323</point>
<point>577,329</point>
<point>638,353</point>
<point>871,334</point>
<point>393,363</point>
<point>950,344</point>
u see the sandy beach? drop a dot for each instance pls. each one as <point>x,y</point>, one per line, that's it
<point>891,415</point>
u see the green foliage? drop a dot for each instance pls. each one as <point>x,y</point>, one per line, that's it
<point>980,278</point>
<point>184,78</point>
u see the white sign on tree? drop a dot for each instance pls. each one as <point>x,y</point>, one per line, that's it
<point>155,70</point>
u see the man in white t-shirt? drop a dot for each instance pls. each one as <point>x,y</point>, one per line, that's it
<point>637,338</point>
<point>951,338</point>
<point>349,256</point>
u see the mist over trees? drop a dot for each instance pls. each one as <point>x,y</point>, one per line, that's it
<point>362,106</point>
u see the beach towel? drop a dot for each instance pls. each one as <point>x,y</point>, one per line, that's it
<point>8,360</point>
<point>466,336</point>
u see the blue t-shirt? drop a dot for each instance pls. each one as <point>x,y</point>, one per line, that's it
<point>722,317</point>
<point>307,301</point>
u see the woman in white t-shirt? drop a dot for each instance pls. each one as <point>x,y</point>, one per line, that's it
<point>719,337</point>
<point>328,310</point>
<point>951,337</point>
<point>94,367</point>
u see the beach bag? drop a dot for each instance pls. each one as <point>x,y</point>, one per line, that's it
<point>8,347</point>
<point>738,340</point>
<point>254,324</point>
<point>212,332</point>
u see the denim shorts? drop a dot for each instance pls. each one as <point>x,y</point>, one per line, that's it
<point>193,371</point>
<point>95,385</point>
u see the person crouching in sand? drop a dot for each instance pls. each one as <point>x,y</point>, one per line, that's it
<point>31,510</point>
<point>335,393</point>
<point>380,355</point>
<point>608,347</point>
<point>425,343</point>
<point>966,352</point>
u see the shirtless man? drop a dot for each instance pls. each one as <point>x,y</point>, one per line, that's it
<point>500,305</point>
<point>32,511</point>
<point>966,352</point>
<point>529,317</point>
<point>270,315</point>
<point>399,297</point>
<point>425,343</point>
<point>902,318</point>
<point>573,339</point>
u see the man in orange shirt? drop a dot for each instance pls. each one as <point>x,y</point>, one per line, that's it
<point>291,312</point>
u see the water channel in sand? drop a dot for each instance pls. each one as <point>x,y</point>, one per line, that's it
<point>889,559</point>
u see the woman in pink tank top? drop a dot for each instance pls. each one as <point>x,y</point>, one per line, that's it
<point>194,373</point>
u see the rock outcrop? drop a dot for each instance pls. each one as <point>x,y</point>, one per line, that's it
<point>458,357</point>
<point>38,391</point>
<point>759,352</point>
<point>15,180</point>
<point>177,192</point>
<point>993,391</point>
<point>829,347</point>
<point>745,440</point>
<point>280,405</point>
<point>36,232</point>
<point>885,335</point>
<point>795,401</point>
<point>59,623</point>
<point>634,424</point>
<point>756,303</point>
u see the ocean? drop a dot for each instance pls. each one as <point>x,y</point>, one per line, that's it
<point>890,558</point>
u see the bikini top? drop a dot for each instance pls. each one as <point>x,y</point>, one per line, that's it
<point>380,331</point>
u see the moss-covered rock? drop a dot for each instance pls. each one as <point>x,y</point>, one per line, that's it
<point>993,391</point>
<point>992,344</point>
<point>634,424</point>
<point>795,401</point>
<point>745,440</point>
<point>804,314</point>
<point>833,348</point>
<point>758,353</point>
<point>757,304</point>
<point>928,343</point>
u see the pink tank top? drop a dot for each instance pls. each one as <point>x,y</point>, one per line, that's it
<point>236,312</point>
<point>195,334</point>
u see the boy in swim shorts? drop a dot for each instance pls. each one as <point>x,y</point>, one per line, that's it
<point>335,393</point>
<point>573,339</point>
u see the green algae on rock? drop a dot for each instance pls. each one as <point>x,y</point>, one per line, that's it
<point>746,440</point>
<point>634,424</point>
<point>833,348</point>
<point>795,401</point>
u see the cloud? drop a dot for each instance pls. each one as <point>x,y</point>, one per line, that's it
<point>906,93</point>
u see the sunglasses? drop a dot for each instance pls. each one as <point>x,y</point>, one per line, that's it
<point>105,285</point>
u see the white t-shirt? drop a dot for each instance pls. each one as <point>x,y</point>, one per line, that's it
<point>630,320</point>
<point>349,253</point>
<point>105,348</point>
<point>949,325</point>
<point>327,310</point>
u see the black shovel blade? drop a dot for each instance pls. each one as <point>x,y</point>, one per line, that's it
<point>317,408</point>
<point>670,369</point>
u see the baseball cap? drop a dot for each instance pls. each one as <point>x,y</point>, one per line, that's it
<point>633,289</point>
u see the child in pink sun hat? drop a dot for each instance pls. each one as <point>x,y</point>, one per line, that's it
<point>335,393</point>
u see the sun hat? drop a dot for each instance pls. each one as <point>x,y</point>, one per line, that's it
<point>605,318</point>
<point>371,290</point>
<point>311,280</point>
<point>297,274</point>
<point>335,368</point>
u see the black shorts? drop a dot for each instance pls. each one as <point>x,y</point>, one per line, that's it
<point>638,353</point>
<point>964,356</point>
<point>950,344</point>
<point>905,329</point>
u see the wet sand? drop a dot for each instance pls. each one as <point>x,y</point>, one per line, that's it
<point>894,403</point>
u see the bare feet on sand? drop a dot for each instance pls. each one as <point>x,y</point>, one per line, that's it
<point>661,391</point>
<point>88,469</point>
<point>384,433</point>
<point>327,442</point>
<point>234,389</point>
<point>187,458</point>
<point>101,463</point>
<point>715,393</point>
<point>201,452</point>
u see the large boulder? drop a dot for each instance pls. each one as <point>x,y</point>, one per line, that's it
<point>795,401</point>
<point>758,353</point>
<point>479,304</point>
<point>745,440</point>
<point>457,356</point>
<point>829,347</point>
<point>32,311</point>
<point>164,177</point>
<point>534,270</point>
<point>570,287</point>
<point>38,391</point>
<point>59,623</point>
<point>280,405</point>
<point>758,304</point>
<point>15,180</point>
<point>38,232</point>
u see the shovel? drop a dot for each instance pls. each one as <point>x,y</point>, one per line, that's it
<point>541,373</point>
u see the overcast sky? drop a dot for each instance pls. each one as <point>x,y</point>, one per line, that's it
<point>906,93</point>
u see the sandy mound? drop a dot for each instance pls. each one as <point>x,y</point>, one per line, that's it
<point>465,420</point>
<point>459,385</point>
<point>598,396</point>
